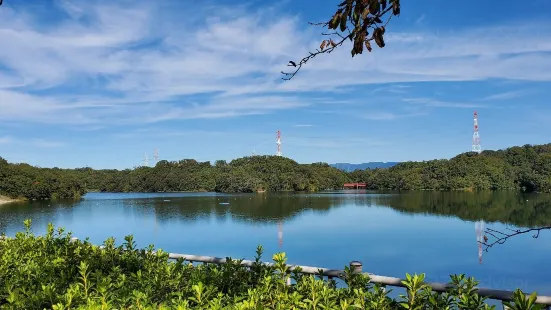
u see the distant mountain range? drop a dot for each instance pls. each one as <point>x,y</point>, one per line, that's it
<point>363,166</point>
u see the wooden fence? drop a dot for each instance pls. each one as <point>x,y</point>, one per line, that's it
<point>356,266</point>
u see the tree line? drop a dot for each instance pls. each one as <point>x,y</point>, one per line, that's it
<point>247,174</point>
<point>526,168</point>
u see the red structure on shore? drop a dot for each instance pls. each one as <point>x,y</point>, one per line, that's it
<point>355,185</point>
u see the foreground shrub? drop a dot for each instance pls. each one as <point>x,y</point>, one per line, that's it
<point>54,272</point>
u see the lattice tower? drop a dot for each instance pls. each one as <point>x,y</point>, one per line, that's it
<point>278,143</point>
<point>476,138</point>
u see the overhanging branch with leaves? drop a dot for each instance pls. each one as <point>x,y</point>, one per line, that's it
<point>360,21</point>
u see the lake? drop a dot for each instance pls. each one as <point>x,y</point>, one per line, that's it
<point>390,233</point>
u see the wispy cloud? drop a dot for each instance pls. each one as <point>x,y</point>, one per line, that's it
<point>392,88</point>
<point>465,55</point>
<point>420,19</point>
<point>388,116</point>
<point>429,102</point>
<point>331,142</point>
<point>508,95</point>
<point>111,62</point>
<point>380,116</point>
<point>43,143</point>
<point>303,125</point>
<point>47,144</point>
<point>171,133</point>
<point>228,107</point>
<point>5,139</point>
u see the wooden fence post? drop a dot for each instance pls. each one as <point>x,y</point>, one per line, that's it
<point>356,266</point>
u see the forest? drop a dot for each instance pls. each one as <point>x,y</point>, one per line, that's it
<point>526,168</point>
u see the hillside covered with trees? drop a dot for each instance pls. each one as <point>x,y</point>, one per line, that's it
<point>248,174</point>
<point>527,168</point>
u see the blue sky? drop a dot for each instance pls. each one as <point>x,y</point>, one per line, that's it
<point>101,83</point>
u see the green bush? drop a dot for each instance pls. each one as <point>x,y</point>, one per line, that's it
<point>54,272</point>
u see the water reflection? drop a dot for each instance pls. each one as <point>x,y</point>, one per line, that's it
<point>514,208</point>
<point>13,215</point>
<point>274,209</point>
<point>269,209</point>
<point>280,233</point>
<point>391,233</point>
<point>479,228</point>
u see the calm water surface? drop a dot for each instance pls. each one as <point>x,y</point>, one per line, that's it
<point>391,233</point>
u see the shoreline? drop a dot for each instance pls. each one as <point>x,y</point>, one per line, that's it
<point>6,200</point>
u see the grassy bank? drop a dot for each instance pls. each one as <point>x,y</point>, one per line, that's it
<point>53,272</point>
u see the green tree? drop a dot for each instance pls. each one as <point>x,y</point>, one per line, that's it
<point>526,168</point>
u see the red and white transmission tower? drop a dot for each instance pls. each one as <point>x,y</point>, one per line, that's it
<point>476,138</point>
<point>479,228</point>
<point>278,142</point>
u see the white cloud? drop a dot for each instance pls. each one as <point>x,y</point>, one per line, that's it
<point>389,116</point>
<point>47,144</point>
<point>420,19</point>
<point>380,116</point>
<point>226,107</point>
<point>101,64</point>
<point>303,125</point>
<point>467,55</point>
<point>43,143</point>
<point>507,95</point>
<point>392,88</point>
<point>171,133</point>
<point>5,139</point>
<point>429,102</point>
<point>330,142</point>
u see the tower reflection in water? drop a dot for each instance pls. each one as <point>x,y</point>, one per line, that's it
<point>280,233</point>
<point>479,228</point>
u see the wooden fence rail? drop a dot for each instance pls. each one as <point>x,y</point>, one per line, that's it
<point>500,295</point>
<point>356,266</point>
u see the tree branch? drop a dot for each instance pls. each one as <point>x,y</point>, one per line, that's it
<point>290,75</point>
<point>363,15</point>
<point>500,237</point>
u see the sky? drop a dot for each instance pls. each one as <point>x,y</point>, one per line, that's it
<point>104,83</point>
